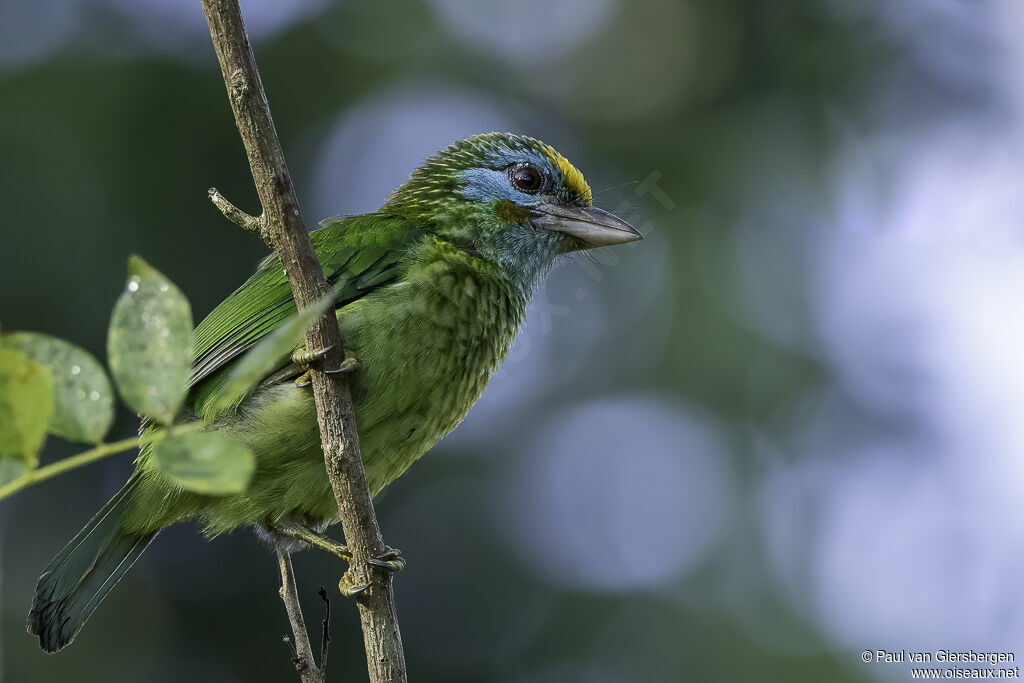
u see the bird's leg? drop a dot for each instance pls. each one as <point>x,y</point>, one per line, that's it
<point>390,560</point>
<point>305,359</point>
<point>301,532</point>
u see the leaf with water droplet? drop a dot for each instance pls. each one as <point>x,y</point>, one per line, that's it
<point>268,355</point>
<point>205,462</point>
<point>26,403</point>
<point>11,469</point>
<point>150,343</point>
<point>83,397</point>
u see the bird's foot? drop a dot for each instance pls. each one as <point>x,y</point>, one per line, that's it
<point>348,587</point>
<point>349,364</point>
<point>390,560</point>
<point>305,359</point>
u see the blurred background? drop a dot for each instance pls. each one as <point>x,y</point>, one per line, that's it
<point>784,429</point>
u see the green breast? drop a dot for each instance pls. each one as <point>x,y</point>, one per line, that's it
<point>428,345</point>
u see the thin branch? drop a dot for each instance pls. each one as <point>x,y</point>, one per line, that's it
<point>234,214</point>
<point>283,230</point>
<point>325,636</point>
<point>303,653</point>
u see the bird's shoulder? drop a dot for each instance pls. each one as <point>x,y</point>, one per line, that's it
<point>358,254</point>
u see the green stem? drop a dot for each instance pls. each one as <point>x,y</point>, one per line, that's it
<point>92,455</point>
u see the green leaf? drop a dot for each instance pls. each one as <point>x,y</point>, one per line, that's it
<point>11,469</point>
<point>26,403</point>
<point>150,343</point>
<point>205,462</point>
<point>267,355</point>
<point>83,397</point>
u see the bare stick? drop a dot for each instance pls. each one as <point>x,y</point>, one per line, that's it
<point>325,636</point>
<point>303,652</point>
<point>282,228</point>
<point>233,213</point>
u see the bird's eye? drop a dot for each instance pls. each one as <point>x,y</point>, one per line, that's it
<point>526,178</point>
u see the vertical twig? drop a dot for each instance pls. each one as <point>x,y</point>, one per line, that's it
<point>325,636</point>
<point>282,228</point>
<point>302,652</point>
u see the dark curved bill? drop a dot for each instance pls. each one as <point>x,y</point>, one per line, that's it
<point>596,227</point>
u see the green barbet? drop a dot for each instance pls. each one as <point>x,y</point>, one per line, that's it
<point>431,290</point>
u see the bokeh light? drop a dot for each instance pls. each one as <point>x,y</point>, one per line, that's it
<point>619,495</point>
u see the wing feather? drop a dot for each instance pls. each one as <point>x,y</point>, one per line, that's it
<point>358,254</point>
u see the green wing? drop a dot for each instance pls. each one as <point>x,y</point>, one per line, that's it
<point>358,254</point>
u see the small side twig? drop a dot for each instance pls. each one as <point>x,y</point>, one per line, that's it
<point>234,214</point>
<point>325,638</point>
<point>302,652</point>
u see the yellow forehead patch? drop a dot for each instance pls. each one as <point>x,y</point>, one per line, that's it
<point>573,178</point>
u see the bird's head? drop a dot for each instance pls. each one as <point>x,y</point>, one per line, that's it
<point>509,198</point>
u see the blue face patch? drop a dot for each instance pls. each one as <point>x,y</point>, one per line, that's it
<point>487,184</point>
<point>484,185</point>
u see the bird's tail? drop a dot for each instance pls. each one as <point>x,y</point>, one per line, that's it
<point>77,580</point>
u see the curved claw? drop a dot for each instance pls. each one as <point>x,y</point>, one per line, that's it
<point>306,358</point>
<point>391,559</point>
<point>348,365</point>
<point>393,566</point>
<point>346,588</point>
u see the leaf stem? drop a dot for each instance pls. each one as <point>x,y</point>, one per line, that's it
<point>92,455</point>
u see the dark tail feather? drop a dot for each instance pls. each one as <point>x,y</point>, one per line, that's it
<point>75,581</point>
